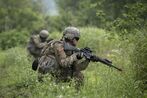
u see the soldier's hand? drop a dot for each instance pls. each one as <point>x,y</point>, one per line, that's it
<point>80,55</point>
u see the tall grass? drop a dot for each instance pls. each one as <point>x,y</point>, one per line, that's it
<point>139,60</point>
<point>19,81</point>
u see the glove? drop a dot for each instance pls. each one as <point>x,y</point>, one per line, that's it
<point>79,55</point>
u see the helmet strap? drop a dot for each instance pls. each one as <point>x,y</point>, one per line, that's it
<point>42,39</point>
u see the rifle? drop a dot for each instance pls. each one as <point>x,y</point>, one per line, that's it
<point>87,53</point>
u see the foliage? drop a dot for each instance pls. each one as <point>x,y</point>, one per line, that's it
<point>20,14</point>
<point>77,12</point>
<point>127,17</point>
<point>13,38</point>
<point>18,80</point>
<point>139,59</point>
<point>55,23</point>
<point>123,15</point>
<point>133,18</point>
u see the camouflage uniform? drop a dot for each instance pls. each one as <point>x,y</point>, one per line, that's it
<point>63,65</point>
<point>36,43</point>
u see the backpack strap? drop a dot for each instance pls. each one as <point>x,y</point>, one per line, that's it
<point>56,51</point>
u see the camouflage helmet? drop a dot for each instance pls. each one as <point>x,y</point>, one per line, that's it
<point>44,33</point>
<point>71,32</point>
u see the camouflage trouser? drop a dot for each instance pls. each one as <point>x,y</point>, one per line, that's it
<point>68,75</point>
<point>60,75</point>
<point>77,76</point>
<point>46,64</point>
<point>79,79</point>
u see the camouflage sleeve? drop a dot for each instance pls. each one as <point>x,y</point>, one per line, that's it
<point>38,43</point>
<point>61,57</point>
<point>82,64</point>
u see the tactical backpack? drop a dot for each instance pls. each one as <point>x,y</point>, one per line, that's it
<point>47,62</point>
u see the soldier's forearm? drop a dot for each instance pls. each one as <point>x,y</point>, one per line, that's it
<point>68,61</point>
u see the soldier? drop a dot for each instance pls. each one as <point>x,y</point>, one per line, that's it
<point>37,42</point>
<point>35,46</point>
<point>63,65</point>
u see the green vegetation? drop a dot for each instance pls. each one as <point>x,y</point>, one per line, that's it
<point>115,29</point>
<point>123,15</point>
<point>19,15</point>
<point>13,38</point>
<point>139,60</point>
<point>18,80</point>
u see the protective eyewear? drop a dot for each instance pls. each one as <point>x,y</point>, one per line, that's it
<point>76,38</point>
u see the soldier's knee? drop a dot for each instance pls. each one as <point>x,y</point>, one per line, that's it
<point>41,70</point>
<point>79,80</point>
<point>79,75</point>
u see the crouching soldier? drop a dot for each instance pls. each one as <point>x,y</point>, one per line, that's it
<point>63,65</point>
<point>36,44</point>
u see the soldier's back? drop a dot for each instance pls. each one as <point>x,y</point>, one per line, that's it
<point>48,62</point>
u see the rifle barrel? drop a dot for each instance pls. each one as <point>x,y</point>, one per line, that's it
<point>107,63</point>
<point>116,68</point>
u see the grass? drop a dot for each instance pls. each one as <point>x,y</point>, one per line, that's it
<point>19,81</point>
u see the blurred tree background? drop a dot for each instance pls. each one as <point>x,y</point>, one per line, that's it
<point>123,15</point>
<point>126,16</point>
<point>19,18</point>
<point>19,15</point>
